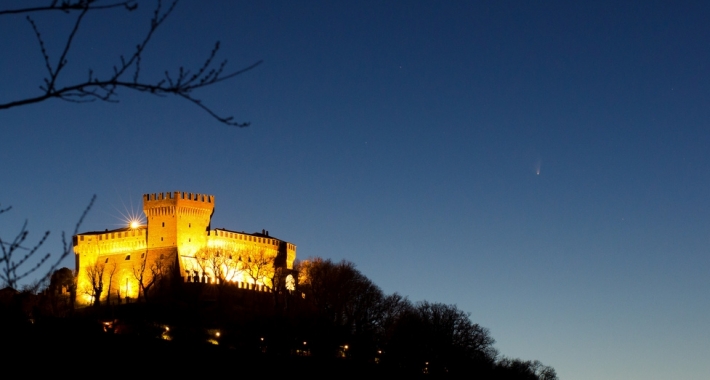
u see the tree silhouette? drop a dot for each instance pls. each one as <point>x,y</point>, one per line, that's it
<point>111,269</point>
<point>13,269</point>
<point>439,338</point>
<point>258,266</point>
<point>524,370</point>
<point>148,273</point>
<point>61,292</point>
<point>126,72</point>
<point>95,287</point>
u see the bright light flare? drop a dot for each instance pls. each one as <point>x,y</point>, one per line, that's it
<point>131,218</point>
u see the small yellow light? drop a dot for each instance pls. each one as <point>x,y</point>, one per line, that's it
<point>135,224</point>
<point>217,334</point>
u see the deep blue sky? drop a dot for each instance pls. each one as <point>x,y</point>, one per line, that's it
<point>406,137</point>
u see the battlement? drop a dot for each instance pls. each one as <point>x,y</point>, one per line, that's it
<point>178,195</point>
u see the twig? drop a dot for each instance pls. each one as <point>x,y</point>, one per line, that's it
<point>10,268</point>
<point>67,6</point>
<point>105,89</point>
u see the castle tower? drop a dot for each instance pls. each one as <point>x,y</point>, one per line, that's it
<point>178,220</point>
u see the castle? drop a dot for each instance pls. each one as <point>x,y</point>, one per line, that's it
<point>125,263</point>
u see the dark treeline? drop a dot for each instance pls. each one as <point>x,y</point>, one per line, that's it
<point>332,315</point>
<point>347,308</point>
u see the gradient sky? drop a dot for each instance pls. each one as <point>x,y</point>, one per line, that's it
<point>407,138</point>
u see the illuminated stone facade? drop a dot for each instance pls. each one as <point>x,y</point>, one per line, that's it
<point>177,240</point>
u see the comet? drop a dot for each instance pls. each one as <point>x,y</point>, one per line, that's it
<point>538,166</point>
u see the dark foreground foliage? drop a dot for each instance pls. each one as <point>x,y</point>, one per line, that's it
<point>335,322</point>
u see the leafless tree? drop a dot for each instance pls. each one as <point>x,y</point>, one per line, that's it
<point>13,269</point>
<point>258,265</point>
<point>126,73</point>
<point>111,271</point>
<point>148,275</point>
<point>95,273</point>
<point>525,369</point>
<point>216,262</point>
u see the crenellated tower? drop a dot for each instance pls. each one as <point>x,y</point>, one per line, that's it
<point>178,219</point>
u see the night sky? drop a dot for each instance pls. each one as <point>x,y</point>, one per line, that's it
<point>543,165</point>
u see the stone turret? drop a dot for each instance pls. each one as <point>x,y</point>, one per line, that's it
<point>177,219</point>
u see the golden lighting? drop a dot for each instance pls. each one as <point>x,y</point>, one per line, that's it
<point>135,224</point>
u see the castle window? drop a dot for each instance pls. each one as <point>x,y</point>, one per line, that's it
<point>189,225</point>
<point>163,224</point>
<point>128,257</point>
<point>106,262</point>
<point>142,255</point>
<point>189,240</point>
<point>161,239</point>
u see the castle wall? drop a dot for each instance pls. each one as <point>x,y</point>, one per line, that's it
<point>116,251</point>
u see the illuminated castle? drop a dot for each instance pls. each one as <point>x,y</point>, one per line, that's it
<point>177,240</point>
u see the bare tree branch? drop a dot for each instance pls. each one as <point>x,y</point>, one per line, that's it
<point>67,6</point>
<point>181,84</point>
<point>11,273</point>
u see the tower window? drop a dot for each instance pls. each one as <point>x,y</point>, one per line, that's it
<point>189,225</point>
<point>163,224</point>
<point>128,257</point>
<point>106,262</point>
<point>161,239</point>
